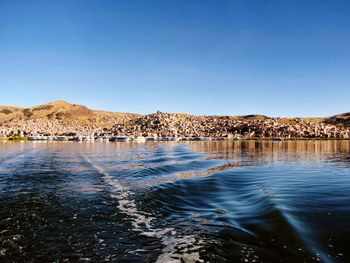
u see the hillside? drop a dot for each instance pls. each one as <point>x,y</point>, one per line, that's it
<point>61,117</point>
<point>343,118</point>
<point>9,113</point>
<point>58,114</point>
<point>64,111</point>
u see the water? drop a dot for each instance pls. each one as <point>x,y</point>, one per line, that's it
<point>175,202</point>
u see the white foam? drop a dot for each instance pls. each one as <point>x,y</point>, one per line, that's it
<point>176,248</point>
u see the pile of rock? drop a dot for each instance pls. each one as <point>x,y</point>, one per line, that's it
<point>162,124</point>
<point>172,125</point>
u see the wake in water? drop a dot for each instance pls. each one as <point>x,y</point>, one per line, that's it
<point>176,249</point>
<point>222,202</point>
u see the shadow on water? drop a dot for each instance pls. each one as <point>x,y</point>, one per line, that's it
<point>249,201</point>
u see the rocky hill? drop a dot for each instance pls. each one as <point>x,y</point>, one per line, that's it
<point>162,124</point>
<point>9,113</point>
<point>62,110</point>
<point>343,118</point>
<point>60,116</point>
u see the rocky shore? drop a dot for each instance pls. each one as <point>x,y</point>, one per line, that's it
<point>64,119</point>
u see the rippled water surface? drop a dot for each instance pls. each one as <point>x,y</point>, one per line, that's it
<point>254,201</point>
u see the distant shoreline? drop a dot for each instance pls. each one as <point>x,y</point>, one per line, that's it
<point>61,120</point>
<point>24,139</point>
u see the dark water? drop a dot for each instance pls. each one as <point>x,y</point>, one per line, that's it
<point>175,202</point>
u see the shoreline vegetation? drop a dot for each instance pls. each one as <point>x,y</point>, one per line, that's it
<point>62,121</point>
<point>15,137</point>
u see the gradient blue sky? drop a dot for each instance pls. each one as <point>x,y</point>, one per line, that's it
<point>279,58</point>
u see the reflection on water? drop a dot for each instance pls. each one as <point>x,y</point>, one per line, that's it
<point>237,201</point>
<point>275,151</point>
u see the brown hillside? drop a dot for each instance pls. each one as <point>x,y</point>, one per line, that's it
<point>343,118</point>
<point>62,111</point>
<point>65,112</point>
<point>9,113</point>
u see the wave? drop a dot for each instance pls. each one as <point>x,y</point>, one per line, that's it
<point>176,249</point>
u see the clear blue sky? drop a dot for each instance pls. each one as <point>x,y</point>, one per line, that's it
<point>279,58</point>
